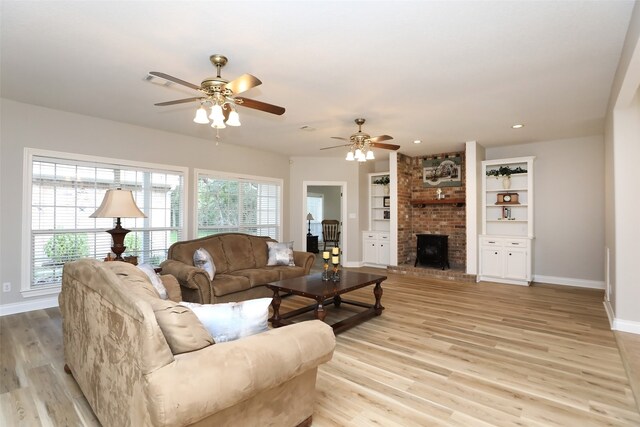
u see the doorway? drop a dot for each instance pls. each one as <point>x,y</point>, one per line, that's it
<point>324,200</point>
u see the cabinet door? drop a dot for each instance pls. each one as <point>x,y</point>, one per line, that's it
<point>516,264</point>
<point>491,264</point>
<point>370,251</point>
<point>383,252</point>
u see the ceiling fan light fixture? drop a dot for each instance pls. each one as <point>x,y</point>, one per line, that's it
<point>350,157</point>
<point>234,118</point>
<point>201,116</point>
<point>362,158</point>
<point>370,155</point>
<point>358,153</point>
<point>218,124</point>
<point>216,113</point>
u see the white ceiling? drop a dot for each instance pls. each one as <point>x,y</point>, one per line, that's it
<point>444,72</point>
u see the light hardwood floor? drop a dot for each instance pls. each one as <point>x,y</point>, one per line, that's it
<point>442,353</point>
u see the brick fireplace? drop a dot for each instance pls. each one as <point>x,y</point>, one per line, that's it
<point>429,217</point>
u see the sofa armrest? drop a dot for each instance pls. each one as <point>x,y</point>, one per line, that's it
<point>190,277</point>
<point>304,260</point>
<point>231,372</point>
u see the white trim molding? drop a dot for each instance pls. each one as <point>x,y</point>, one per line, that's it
<point>621,325</point>
<point>23,307</point>
<point>568,281</point>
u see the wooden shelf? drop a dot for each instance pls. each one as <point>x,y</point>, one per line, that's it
<point>446,201</point>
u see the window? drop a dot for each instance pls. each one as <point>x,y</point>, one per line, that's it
<point>251,205</point>
<point>64,189</point>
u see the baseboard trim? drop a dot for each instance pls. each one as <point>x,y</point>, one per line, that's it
<point>23,307</point>
<point>568,281</point>
<point>609,310</point>
<point>621,325</point>
<point>626,326</point>
<point>352,264</point>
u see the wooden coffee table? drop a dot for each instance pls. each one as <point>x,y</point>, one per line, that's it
<point>324,293</point>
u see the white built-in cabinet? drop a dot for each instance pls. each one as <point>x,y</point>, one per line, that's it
<point>375,240</point>
<point>506,242</point>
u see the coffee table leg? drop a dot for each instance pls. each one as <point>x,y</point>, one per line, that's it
<point>377,291</point>
<point>275,303</point>
<point>319,311</point>
<point>337,301</point>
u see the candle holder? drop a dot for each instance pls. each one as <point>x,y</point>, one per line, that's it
<point>325,271</point>
<point>335,275</point>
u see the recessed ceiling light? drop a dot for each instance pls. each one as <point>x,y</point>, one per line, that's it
<point>417,141</point>
<point>518,126</point>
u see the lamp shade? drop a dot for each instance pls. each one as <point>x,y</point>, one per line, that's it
<point>118,203</point>
<point>310,217</point>
<point>234,118</point>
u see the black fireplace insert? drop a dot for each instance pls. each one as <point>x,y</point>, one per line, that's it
<point>432,250</point>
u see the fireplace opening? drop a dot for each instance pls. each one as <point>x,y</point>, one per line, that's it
<point>432,250</point>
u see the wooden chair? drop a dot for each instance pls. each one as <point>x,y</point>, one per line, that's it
<point>330,232</point>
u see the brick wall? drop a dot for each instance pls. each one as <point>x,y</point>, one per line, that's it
<point>446,219</point>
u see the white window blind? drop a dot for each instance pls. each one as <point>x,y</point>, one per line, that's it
<point>65,191</point>
<point>227,204</point>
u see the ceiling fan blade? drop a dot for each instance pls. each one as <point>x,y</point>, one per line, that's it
<point>243,83</point>
<point>341,138</point>
<point>262,106</point>
<point>335,146</point>
<point>380,138</point>
<point>385,146</point>
<point>178,101</point>
<point>174,79</point>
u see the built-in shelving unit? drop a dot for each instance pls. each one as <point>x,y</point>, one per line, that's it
<point>375,240</point>
<point>506,242</point>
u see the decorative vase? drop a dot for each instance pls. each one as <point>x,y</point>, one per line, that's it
<point>506,182</point>
<point>385,188</point>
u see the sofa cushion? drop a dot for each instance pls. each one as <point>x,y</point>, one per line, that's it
<point>239,252</point>
<point>260,250</point>
<point>288,272</point>
<point>227,284</point>
<point>233,320</point>
<point>172,286</point>
<point>258,276</point>
<point>180,326</point>
<point>133,278</point>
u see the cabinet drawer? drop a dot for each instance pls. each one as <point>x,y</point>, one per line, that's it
<point>383,236</point>
<point>488,241</point>
<point>516,243</point>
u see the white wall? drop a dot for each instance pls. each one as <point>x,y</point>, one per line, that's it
<point>569,209</point>
<point>326,170</point>
<point>622,140</point>
<point>25,125</point>
<point>330,200</point>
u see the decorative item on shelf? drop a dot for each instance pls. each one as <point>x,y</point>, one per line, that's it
<point>325,271</point>
<point>386,215</point>
<point>505,172</point>
<point>507,199</point>
<point>118,204</point>
<point>309,219</point>
<point>386,202</point>
<point>384,181</point>
<point>439,194</point>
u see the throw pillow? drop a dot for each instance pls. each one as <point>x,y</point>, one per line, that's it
<point>280,253</point>
<point>202,259</point>
<point>180,327</point>
<point>173,287</point>
<point>155,280</point>
<point>233,320</point>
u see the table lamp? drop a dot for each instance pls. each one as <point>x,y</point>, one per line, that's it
<point>118,204</point>
<point>309,218</point>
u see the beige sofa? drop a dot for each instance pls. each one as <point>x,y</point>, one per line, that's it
<point>241,268</point>
<point>116,345</point>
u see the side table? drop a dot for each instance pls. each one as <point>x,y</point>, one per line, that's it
<point>312,243</point>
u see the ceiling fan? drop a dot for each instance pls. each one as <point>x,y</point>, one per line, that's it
<point>361,143</point>
<point>221,95</point>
